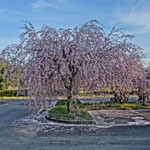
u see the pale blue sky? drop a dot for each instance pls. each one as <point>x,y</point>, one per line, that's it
<point>132,15</point>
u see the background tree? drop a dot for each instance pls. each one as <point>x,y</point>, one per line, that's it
<point>4,82</point>
<point>147,72</point>
<point>125,74</point>
<point>143,86</point>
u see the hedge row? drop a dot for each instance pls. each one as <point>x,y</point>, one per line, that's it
<point>11,93</point>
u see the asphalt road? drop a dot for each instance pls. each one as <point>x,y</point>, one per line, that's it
<point>121,138</point>
<point>105,99</point>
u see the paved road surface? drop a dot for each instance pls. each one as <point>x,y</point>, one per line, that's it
<point>121,138</point>
<point>104,99</point>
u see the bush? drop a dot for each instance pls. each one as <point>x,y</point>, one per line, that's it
<point>22,92</point>
<point>11,93</point>
<point>8,93</point>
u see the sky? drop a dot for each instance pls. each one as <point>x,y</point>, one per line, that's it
<point>133,16</point>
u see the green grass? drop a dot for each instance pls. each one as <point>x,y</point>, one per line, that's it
<point>107,105</point>
<point>59,112</point>
<point>61,102</point>
<point>128,106</point>
<point>14,97</point>
<point>113,106</point>
<point>79,110</point>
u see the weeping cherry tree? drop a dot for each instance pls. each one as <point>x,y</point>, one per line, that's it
<point>66,60</point>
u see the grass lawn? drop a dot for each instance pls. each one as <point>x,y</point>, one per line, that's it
<point>112,106</point>
<point>14,97</point>
<point>127,106</point>
<point>59,112</point>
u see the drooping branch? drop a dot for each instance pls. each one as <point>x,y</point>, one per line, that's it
<point>69,59</point>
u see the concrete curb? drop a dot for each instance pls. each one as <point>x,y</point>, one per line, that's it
<point>71,121</point>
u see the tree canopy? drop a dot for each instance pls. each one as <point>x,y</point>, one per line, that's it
<point>69,59</point>
<point>4,83</point>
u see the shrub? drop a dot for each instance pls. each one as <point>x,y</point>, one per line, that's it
<point>11,93</point>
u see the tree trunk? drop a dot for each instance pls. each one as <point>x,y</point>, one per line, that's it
<point>144,100</point>
<point>69,103</point>
<point>144,103</point>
